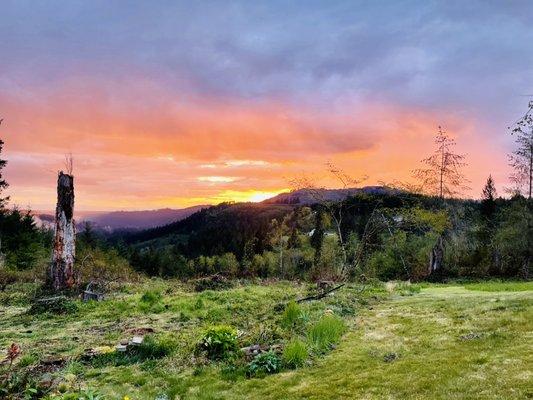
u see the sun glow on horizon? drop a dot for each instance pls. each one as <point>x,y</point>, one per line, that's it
<point>252,195</point>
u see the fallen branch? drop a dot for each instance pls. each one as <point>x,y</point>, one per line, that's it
<point>321,295</point>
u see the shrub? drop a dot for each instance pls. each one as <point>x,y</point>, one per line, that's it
<point>292,315</point>
<point>264,363</point>
<point>219,342</point>
<point>295,354</point>
<point>326,332</point>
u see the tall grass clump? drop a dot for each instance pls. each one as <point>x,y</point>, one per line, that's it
<point>326,332</point>
<point>291,316</point>
<point>295,354</point>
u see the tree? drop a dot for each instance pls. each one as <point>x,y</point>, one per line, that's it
<point>521,159</point>
<point>443,176</point>
<point>488,204</point>
<point>3,183</point>
<point>335,209</point>
<point>278,239</point>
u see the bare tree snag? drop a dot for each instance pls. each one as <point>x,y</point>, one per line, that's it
<point>436,258</point>
<point>62,274</point>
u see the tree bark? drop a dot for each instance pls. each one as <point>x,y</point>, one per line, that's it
<point>62,274</point>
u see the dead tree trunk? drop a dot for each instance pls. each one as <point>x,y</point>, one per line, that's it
<point>436,259</point>
<point>62,275</point>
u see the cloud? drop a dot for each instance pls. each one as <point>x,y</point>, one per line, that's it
<point>149,96</point>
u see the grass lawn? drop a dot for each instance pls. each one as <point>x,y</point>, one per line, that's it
<point>441,342</point>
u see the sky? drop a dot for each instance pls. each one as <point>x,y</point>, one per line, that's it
<point>176,103</point>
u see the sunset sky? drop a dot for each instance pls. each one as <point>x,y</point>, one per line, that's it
<point>171,104</point>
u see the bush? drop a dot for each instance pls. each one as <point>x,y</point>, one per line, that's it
<point>295,354</point>
<point>264,363</point>
<point>219,342</point>
<point>292,315</point>
<point>326,332</point>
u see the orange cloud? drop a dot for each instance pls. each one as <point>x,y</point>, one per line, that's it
<point>146,149</point>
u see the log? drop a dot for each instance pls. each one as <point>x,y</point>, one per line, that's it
<point>320,295</point>
<point>62,274</point>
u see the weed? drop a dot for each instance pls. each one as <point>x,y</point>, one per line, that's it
<point>264,363</point>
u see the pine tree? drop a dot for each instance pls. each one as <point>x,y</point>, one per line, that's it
<point>443,176</point>
<point>488,204</point>
<point>3,183</point>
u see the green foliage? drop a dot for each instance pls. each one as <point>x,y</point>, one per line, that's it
<point>151,301</point>
<point>25,246</point>
<point>219,342</point>
<point>264,363</point>
<point>295,354</point>
<point>499,286</point>
<point>292,316</point>
<point>325,333</point>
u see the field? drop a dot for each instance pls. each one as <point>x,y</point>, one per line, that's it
<point>401,341</point>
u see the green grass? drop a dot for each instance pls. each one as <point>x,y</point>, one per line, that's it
<point>295,354</point>
<point>461,341</point>
<point>325,333</point>
<point>498,286</point>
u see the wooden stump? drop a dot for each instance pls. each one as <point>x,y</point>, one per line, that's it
<point>62,275</point>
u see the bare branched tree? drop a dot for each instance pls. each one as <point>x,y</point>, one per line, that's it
<point>443,176</point>
<point>521,159</point>
<point>333,207</point>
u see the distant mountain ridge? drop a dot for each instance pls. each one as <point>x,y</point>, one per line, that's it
<point>127,220</point>
<point>312,196</point>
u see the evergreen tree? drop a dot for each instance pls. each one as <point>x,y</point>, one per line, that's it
<point>3,183</point>
<point>488,203</point>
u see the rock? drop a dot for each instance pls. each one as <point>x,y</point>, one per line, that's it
<point>88,295</point>
<point>137,340</point>
<point>121,347</point>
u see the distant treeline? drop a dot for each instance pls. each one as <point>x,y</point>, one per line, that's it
<point>385,236</point>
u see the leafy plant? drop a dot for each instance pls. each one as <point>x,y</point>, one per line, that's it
<point>264,363</point>
<point>219,342</point>
<point>295,354</point>
<point>326,332</point>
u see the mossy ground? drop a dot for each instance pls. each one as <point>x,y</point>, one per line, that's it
<point>441,342</point>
